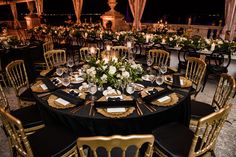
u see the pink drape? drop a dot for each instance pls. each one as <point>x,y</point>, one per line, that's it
<point>78,9</point>
<point>230,17</point>
<point>15,15</point>
<point>39,7</point>
<point>137,8</point>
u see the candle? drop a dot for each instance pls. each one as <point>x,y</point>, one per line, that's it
<point>129,44</point>
<point>213,45</point>
<point>108,48</point>
<point>147,38</point>
<point>92,50</point>
<point>163,41</point>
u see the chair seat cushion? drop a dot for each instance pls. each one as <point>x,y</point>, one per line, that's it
<point>217,69</point>
<point>200,109</point>
<point>27,95</point>
<point>173,139</point>
<point>29,116</point>
<point>52,141</point>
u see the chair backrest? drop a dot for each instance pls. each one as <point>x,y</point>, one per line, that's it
<point>219,58</point>
<point>207,131</point>
<point>121,51</point>
<point>186,52</point>
<point>3,100</point>
<point>224,91</point>
<point>85,54</point>
<point>55,58</point>
<point>116,141</point>
<point>159,57</point>
<point>195,71</point>
<point>48,46</point>
<point>15,131</point>
<point>16,72</point>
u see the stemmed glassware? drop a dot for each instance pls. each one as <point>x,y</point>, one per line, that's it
<point>92,90</point>
<point>70,64</point>
<point>130,88</point>
<point>65,81</point>
<point>163,69</point>
<point>149,62</point>
<point>59,71</point>
<point>159,79</point>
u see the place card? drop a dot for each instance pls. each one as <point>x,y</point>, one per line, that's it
<point>43,86</point>
<point>62,101</point>
<point>163,99</point>
<point>181,82</point>
<point>111,110</point>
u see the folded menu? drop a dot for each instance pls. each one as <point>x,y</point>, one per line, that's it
<point>68,97</point>
<point>115,104</point>
<point>120,109</point>
<point>156,95</point>
<point>49,84</point>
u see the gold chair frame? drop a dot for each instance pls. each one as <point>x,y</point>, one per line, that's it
<point>18,138</point>
<point>121,51</point>
<point>115,141</point>
<point>55,58</point>
<point>195,72</point>
<point>84,53</point>
<point>159,57</point>
<point>206,133</point>
<point>48,46</point>
<point>16,72</point>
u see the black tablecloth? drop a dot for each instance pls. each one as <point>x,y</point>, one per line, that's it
<point>132,124</point>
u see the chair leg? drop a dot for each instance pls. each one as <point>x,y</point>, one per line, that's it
<point>204,82</point>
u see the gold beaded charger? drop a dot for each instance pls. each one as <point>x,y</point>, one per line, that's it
<point>186,82</point>
<point>37,87</point>
<point>127,112</point>
<point>173,99</point>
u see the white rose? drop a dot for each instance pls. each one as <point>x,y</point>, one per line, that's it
<point>122,68</point>
<point>104,77</point>
<point>125,74</point>
<point>171,39</point>
<point>112,70</point>
<point>220,42</point>
<point>207,41</point>
<point>98,61</point>
<point>134,66</point>
<point>104,67</point>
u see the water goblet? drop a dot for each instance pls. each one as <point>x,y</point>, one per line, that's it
<point>92,91</point>
<point>130,88</point>
<point>163,69</point>
<point>59,71</point>
<point>159,79</point>
<point>65,81</point>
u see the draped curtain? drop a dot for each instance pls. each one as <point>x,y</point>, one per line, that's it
<point>230,17</point>
<point>78,9</point>
<point>30,5</point>
<point>137,8</point>
<point>39,7</point>
<point>15,15</point>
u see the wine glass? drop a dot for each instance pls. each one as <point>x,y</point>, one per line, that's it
<point>159,79</point>
<point>149,61</point>
<point>65,81</point>
<point>123,85</point>
<point>130,88</point>
<point>59,71</point>
<point>163,69</point>
<point>92,90</point>
<point>70,64</point>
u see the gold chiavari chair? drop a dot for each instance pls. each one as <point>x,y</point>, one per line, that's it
<point>48,141</point>
<point>223,95</point>
<point>84,53</point>
<point>29,116</point>
<point>159,57</point>
<point>2,79</point>
<point>122,51</point>
<point>195,71</point>
<point>17,74</point>
<point>55,58</point>
<point>175,139</point>
<point>48,46</point>
<point>116,145</point>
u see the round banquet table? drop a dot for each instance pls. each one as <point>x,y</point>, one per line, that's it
<point>134,123</point>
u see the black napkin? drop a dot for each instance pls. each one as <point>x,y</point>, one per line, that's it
<point>49,84</point>
<point>156,95</point>
<point>176,81</point>
<point>68,97</point>
<point>51,72</point>
<point>115,104</point>
<point>113,99</point>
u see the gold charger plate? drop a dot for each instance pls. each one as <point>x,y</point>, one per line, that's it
<point>37,88</point>
<point>52,101</point>
<point>186,82</point>
<point>128,110</point>
<point>172,101</point>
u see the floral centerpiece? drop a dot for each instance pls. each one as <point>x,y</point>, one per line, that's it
<point>112,72</point>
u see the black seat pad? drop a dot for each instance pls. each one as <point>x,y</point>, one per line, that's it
<point>200,109</point>
<point>29,116</point>
<point>52,141</point>
<point>27,95</point>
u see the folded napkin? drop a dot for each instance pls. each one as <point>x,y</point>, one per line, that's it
<point>114,104</point>
<point>68,97</point>
<point>155,95</point>
<point>176,81</point>
<point>49,84</point>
